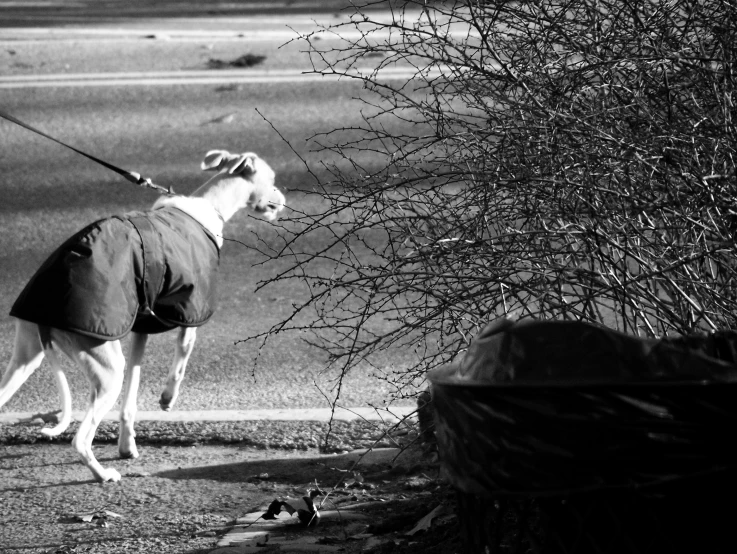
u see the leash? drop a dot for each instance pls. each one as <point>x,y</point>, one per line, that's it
<point>131,176</point>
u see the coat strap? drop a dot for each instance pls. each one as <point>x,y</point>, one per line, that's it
<point>153,265</point>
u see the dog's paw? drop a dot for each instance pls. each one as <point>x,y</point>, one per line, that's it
<point>166,402</point>
<point>109,475</point>
<point>51,431</point>
<point>128,453</point>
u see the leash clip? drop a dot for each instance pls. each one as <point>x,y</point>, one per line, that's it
<point>141,182</point>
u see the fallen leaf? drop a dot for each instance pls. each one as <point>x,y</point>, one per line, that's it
<point>247,60</point>
<point>227,88</point>
<point>101,516</point>
<point>418,482</point>
<point>227,118</point>
<point>273,510</point>
<point>426,522</point>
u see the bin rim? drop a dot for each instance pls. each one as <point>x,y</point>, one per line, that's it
<point>443,376</point>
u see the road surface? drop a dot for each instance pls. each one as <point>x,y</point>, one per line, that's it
<point>139,90</point>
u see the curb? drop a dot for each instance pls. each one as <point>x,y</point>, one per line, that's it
<point>392,414</point>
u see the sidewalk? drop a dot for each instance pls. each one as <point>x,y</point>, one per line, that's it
<point>315,414</point>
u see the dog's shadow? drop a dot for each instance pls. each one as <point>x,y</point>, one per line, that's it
<point>287,470</point>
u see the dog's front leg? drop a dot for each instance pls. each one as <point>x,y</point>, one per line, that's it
<point>126,433</point>
<point>182,350</point>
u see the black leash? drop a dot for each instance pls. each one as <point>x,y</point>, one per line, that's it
<point>131,176</point>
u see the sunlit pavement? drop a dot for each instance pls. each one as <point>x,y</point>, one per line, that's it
<point>316,414</point>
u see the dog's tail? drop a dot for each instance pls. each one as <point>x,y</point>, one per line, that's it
<point>65,396</point>
<point>27,356</point>
<point>32,342</point>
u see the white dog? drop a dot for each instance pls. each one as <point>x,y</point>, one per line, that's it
<point>144,273</point>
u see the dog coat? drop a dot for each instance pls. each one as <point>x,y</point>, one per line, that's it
<point>144,271</point>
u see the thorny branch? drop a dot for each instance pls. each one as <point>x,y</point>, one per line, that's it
<point>559,159</point>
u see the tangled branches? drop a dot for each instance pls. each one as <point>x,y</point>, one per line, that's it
<point>570,159</point>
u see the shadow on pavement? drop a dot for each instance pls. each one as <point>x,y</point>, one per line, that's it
<point>327,470</point>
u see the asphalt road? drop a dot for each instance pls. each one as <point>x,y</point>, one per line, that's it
<point>162,129</point>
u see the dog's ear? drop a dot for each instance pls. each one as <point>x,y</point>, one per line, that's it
<point>246,163</point>
<point>214,159</point>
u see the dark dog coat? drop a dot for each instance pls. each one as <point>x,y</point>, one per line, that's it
<point>144,271</point>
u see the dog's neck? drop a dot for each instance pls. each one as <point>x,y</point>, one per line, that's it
<point>226,193</point>
<point>213,203</point>
<point>200,209</point>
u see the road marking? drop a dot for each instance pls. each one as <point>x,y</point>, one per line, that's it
<point>30,34</point>
<point>75,36</point>
<point>202,77</point>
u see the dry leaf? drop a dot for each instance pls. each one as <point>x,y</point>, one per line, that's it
<point>101,515</point>
<point>304,508</point>
<point>426,522</point>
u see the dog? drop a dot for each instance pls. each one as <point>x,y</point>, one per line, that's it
<point>139,273</point>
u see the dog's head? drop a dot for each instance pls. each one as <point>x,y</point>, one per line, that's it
<point>264,198</point>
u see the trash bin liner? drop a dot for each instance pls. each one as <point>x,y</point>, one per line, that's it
<point>569,437</point>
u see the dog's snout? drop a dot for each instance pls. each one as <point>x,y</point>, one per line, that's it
<point>270,215</point>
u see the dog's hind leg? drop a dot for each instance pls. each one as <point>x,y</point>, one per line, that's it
<point>65,396</point>
<point>182,351</point>
<point>27,356</point>
<point>127,435</point>
<point>104,363</point>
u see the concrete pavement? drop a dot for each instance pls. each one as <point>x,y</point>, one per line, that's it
<point>314,414</point>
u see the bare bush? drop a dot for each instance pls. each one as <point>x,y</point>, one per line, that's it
<point>556,159</point>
